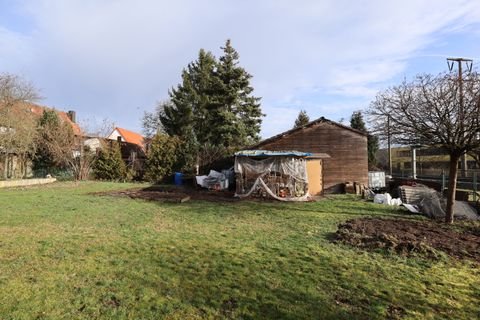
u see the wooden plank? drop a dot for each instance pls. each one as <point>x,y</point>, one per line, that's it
<point>314,173</point>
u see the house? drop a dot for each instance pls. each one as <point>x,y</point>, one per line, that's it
<point>66,117</point>
<point>15,165</point>
<point>346,148</point>
<point>124,135</point>
<point>429,161</point>
<point>132,147</point>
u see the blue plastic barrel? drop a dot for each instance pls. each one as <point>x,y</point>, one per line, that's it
<point>178,178</point>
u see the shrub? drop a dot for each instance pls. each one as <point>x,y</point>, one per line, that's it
<point>161,157</point>
<point>109,164</point>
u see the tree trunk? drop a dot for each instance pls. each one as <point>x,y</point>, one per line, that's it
<point>5,168</point>
<point>452,187</point>
<point>24,166</point>
<point>21,164</point>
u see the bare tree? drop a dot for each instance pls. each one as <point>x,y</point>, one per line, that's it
<point>65,148</point>
<point>100,128</point>
<point>151,122</point>
<point>438,111</point>
<point>208,154</point>
<point>17,123</point>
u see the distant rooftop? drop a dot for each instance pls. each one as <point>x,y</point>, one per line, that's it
<point>38,110</point>
<point>129,136</point>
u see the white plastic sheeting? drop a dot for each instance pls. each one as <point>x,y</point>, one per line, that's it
<point>214,180</point>
<point>281,177</point>
<point>387,199</point>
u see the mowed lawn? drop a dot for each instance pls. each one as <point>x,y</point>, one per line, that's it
<point>66,254</point>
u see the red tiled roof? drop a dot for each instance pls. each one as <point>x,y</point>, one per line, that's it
<point>130,136</point>
<point>38,110</point>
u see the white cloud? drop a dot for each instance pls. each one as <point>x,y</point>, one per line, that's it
<point>116,58</point>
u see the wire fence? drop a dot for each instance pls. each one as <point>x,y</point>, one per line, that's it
<point>58,173</point>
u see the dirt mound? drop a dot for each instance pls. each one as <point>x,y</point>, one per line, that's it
<point>172,194</point>
<point>407,237</point>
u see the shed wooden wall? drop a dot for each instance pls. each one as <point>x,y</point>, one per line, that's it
<point>347,149</point>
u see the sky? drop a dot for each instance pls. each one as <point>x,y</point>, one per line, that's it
<point>115,59</point>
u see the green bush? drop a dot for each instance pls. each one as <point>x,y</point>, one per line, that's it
<point>161,157</point>
<point>109,164</point>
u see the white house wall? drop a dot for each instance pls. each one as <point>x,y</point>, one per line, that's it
<point>114,135</point>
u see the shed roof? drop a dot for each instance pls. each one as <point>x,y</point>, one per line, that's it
<point>268,153</point>
<point>310,124</point>
<point>319,155</point>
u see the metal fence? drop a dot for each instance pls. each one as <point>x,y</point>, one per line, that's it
<point>467,180</point>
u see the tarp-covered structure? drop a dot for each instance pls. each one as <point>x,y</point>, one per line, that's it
<point>281,175</point>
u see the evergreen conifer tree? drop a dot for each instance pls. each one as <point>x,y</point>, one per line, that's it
<point>161,157</point>
<point>213,105</point>
<point>109,164</point>
<point>239,110</point>
<point>43,159</point>
<point>357,122</point>
<point>187,110</point>
<point>302,119</point>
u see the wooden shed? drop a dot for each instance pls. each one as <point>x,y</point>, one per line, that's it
<point>282,175</point>
<point>346,147</point>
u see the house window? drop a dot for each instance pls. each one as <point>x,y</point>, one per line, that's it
<point>404,153</point>
<point>431,152</point>
<point>472,164</point>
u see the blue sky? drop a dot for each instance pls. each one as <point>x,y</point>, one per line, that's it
<point>115,59</point>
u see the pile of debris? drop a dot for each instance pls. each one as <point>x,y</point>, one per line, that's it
<point>427,201</point>
<point>386,198</point>
<point>421,199</point>
<point>216,180</point>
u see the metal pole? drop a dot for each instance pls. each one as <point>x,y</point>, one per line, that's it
<point>475,187</point>
<point>389,147</point>
<point>414,163</point>
<point>443,180</point>
<point>462,116</point>
<point>461,111</point>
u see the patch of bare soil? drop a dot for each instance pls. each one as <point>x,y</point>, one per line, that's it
<point>172,194</point>
<point>410,237</point>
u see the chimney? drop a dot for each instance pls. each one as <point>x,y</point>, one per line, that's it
<point>72,116</point>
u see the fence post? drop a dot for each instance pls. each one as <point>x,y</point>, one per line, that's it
<point>475,187</point>
<point>443,180</point>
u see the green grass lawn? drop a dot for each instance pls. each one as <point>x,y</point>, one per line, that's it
<point>65,254</point>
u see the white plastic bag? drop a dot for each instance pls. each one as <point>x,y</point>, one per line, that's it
<point>379,198</point>
<point>387,199</point>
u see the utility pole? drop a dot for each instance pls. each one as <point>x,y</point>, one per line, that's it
<point>461,115</point>
<point>389,147</point>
